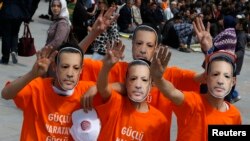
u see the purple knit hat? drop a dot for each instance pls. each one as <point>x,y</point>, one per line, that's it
<point>224,46</point>
<point>226,40</point>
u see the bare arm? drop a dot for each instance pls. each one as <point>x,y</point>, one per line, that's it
<point>157,68</point>
<point>101,24</point>
<point>205,39</point>
<point>112,57</point>
<point>39,68</point>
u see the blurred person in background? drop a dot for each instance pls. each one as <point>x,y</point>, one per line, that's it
<point>12,14</point>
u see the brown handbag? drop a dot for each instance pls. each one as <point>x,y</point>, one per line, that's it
<point>26,46</point>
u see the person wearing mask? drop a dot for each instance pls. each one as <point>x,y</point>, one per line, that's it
<point>144,44</point>
<point>48,103</point>
<point>196,111</point>
<point>129,117</point>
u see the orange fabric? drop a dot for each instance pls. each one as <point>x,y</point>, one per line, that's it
<point>195,114</point>
<point>164,5</point>
<point>92,68</point>
<point>161,103</point>
<point>181,79</point>
<point>47,116</point>
<point>123,122</point>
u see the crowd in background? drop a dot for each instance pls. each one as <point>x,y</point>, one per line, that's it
<point>177,24</point>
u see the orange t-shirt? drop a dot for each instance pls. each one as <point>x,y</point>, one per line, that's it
<point>195,114</point>
<point>123,122</point>
<point>47,115</point>
<point>181,79</point>
<point>91,69</point>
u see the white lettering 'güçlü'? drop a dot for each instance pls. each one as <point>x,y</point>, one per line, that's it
<point>130,132</point>
<point>216,132</point>
<point>62,130</point>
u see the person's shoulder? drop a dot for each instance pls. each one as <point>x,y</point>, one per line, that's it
<point>233,108</point>
<point>154,111</point>
<point>90,60</point>
<point>87,62</point>
<point>177,69</point>
<point>86,83</point>
<point>46,80</point>
<point>63,20</point>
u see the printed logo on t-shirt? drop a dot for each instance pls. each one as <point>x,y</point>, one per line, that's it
<point>58,131</point>
<point>131,133</point>
<point>85,125</point>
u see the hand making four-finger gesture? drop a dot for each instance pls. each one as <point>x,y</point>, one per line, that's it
<point>114,53</point>
<point>203,35</point>
<point>160,62</point>
<point>104,20</point>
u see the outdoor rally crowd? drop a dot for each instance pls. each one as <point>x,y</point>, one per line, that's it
<point>68,97</point>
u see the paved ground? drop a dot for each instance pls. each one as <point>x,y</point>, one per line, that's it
<point>11,117</point>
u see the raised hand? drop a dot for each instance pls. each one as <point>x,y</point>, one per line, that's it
<point>159,62</point>
<point>44,58</point>
<point>203,35</point>
<point>114,53</point>
<point>104,20</point>
<point>87,99</point>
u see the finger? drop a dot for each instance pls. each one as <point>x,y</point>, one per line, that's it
<point>164,54</point>
<point>90,103</point>
<point>109,12</point>
<point>38,55</point>
<point>84,103</point>
<point>81,102</point>
<point>208,27</point>
<point>195,28</point>
<point>101,14</point>
<point>43,52</point>
<point>155,56</point>
<point>119,43</point>
<point>167,58</point>
<point>50,51</point>
<point>53,55</point>
<point>198,25</point>
<point>122,48</point>
<point>201,24</point>
<point>87,102</point>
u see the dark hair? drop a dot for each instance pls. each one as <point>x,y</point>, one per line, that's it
<point>70,48</point>
<point>223,58</point>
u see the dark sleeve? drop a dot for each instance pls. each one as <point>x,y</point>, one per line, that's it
<point>240,46</point>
